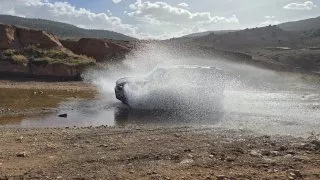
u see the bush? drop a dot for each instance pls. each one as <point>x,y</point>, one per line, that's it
<point>57,56</point>
<point>9,52</point>
<point>20,59</point>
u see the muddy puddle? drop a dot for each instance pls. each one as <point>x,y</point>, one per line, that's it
<point>284,112</point>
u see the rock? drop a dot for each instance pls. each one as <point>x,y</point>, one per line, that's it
<point>103,145</point>
<point>187,150</point>
<point>186,161</point>
<point>63,115</point>
<point>99,49</point>
<point>255,153</point>
<point>230,159</point>
<point>20,138</point>
<point>175,156</point>
<point>275,153</point>
<point>301,158</point>
<point>269,160</point>
<point>316,143</point>
<point>283,148</point>
<point>211,156</point>
<point>22,154</point>
<point>288,156</point>
<point>221,177</point>
<point>265,152</point>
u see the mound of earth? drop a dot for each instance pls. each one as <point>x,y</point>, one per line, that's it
<point>38,53</point>
<point>99,49</point>
<point>12,37</point>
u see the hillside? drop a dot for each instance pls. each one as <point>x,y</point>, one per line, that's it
<point>302,25</point>
<point>207,33</point>
<point>251,39</point>
<point>62,30</point>
<point>270,47</point>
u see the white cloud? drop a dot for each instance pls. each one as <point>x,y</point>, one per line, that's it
<point>308,5</point>
<point>183,4</point>
<point>116,1</point>
<point>65,12</point>
<point>269,17</point>
<point>270,20</point>
<point>165,18</point>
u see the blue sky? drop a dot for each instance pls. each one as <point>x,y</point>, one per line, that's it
<point>163,18</point>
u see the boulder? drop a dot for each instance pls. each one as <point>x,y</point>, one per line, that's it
<point>101,50</point>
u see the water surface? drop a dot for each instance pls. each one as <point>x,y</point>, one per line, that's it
<point>282,112</point>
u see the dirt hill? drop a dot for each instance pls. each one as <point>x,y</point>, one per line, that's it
<point>302,25</point>
<point>252,39</point>
<point>62,30</point>
<point>12,37</point>
<point>270,47</point>
<point>30,52</point>
<point>101,50</point>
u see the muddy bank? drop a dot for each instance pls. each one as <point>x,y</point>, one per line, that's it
<point>154,153</point>
<point>24,98</point>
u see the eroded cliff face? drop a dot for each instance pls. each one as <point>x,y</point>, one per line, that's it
<point>30,52</point>
<point>62,70</point>
<point>12,37</point>
<point>101,50</point>
<point>7,37</point>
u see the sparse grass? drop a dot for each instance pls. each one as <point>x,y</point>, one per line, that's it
<point>20,59</point>
<point>50,56</point>
<point>10,52</point>
<point>58,56</point>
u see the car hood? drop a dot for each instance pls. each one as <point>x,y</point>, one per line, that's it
<point>126,80</point>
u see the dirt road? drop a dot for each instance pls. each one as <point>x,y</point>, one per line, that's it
<point>154,153</point>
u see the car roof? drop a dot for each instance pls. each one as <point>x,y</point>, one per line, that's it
<point>189,67</point>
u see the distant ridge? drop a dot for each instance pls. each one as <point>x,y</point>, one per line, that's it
<point>63,30</point>
<point>199,34</point>
<point>302,25</point>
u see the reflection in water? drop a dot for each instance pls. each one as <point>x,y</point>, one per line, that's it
<point>125,115</point>
<point>112,113</point>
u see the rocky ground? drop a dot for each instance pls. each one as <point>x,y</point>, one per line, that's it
<point>154,153</point>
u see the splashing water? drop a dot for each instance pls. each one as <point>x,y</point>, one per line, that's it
<point>196,103</point>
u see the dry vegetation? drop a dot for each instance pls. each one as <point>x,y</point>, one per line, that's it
<point>50,56</point>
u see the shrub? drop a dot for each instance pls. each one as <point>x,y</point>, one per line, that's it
<point>20,59</point>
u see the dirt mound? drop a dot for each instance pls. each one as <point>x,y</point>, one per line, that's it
<point>30,52</point>
<point>7,37</point>
<point>12,37</point>
<point>101,50</point>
